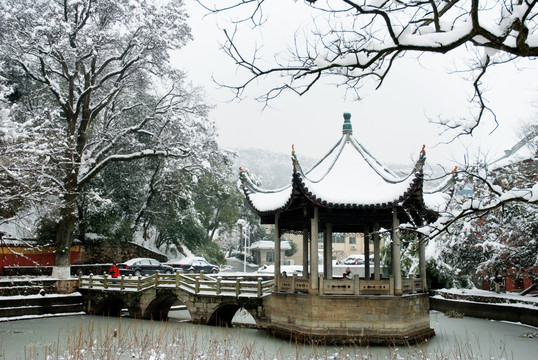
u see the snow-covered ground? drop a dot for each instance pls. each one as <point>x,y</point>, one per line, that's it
<point>477,295</point>
<point>38,296</point>
<point>86,337</point>
<point>289,269</point>
<point>41,316</point>
<point>25,278</point>
<point>234,265</point>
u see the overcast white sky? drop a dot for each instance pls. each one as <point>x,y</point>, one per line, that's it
<point>391,122</point>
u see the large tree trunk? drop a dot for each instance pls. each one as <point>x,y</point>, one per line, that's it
<point>64,234</point>
<point>64,237</point>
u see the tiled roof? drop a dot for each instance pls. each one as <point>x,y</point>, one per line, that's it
<point>347,177</point>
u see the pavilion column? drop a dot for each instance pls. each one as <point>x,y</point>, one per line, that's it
<point>422,262</point>
<point>377,258</point>
<point>305,252</point>
<point>277,251</point>
<point>328,251</point>
<point>314,252</point>
<point>396,266</point>
<point>367,236</point>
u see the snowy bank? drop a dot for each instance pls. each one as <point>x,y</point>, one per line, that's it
<point>487,305</point>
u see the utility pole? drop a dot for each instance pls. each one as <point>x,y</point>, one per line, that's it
<point>245,254</point>
<point>243,242</point>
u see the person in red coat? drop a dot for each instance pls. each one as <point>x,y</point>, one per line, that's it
<point>347,274</point>
<point>114,270</point>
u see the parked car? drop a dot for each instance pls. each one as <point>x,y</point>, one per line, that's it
<point>193,264</point>
<point>354,260</point>
<point>144,266</point>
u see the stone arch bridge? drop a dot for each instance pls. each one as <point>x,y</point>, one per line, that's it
<point>210,299</point>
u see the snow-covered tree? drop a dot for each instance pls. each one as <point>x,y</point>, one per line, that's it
<point>150,200</point>
<point>87,84</point>
<point>217,200</point>
<point>490,230</point>
<point>494,183</point>
<point>209,209</point>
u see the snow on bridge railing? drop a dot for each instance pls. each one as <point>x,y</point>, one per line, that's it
<point>201,284</point>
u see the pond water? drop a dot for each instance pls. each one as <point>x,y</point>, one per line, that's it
<point>93,337</point>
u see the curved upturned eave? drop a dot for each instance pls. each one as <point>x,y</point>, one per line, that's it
<point>262,201</point>
<point>426,213</point>
<point>262,211</point>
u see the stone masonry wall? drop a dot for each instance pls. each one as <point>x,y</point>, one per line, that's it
<point>105,252</point>
<point>350,317</point>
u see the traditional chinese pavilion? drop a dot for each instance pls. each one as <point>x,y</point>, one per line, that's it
<point>347,191</point>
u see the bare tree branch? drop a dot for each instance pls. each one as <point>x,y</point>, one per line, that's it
<point>363,40</point>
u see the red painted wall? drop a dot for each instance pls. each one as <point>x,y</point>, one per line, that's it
<point>26,255</point>
<point>519,283</point>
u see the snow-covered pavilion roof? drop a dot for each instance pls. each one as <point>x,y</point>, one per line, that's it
<point>347,177</point>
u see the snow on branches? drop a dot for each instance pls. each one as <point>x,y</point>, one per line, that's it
<point>491,224</point>
<point>358,43</point>
<point>87,84</point>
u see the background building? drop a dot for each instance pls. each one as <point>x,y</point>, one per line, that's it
<point>263,251</point>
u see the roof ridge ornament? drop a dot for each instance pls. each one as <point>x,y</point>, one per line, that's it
<point>294,159</point>
<point>454,175</point>
<point>243,176</point>
<point>422,157</point>
<point>347,128</point>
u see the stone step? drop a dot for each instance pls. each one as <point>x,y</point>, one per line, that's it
<point>12,287</point>
<point>33,305</point>
<point>11,281</point>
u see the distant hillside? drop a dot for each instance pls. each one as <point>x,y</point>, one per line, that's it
<point>273,170</point>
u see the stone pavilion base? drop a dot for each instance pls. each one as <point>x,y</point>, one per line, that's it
<point>359,319</point>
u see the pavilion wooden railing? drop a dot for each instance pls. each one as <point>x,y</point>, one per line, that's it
<point>354,286</point>
<point>339,286</point>
<point>294,284</point>
<point>377,287</point>
<point>200,284</point>
<point>412,285</point>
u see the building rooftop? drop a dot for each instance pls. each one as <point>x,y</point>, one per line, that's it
<point>348,176</point>
<point>268,245</point>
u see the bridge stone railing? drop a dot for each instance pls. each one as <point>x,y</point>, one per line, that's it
<point>246,285</point>
<point>199,284</point>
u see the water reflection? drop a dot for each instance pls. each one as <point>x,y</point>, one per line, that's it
<point>87,337</point>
